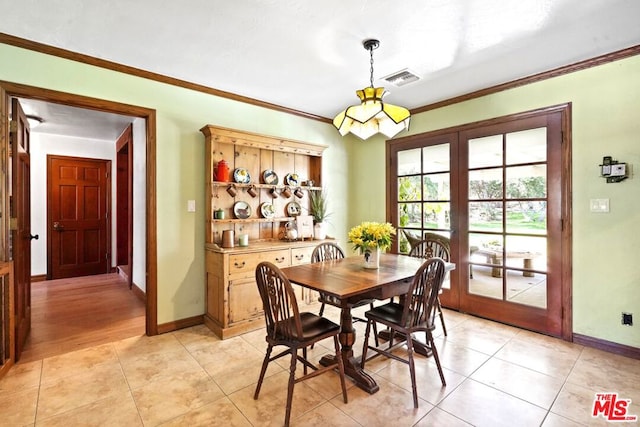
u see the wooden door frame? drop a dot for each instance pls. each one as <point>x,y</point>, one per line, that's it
<point>566,281</point>
<point>11,89</point>
<point>122,143</point>
<point>20,147</point>
<point>108,214</point>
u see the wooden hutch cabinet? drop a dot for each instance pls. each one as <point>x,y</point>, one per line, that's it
<point>233,304</point>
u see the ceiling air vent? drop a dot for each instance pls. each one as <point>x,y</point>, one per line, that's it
<point>402,77</point>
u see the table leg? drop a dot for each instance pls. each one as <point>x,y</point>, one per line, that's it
<point>352,367</point>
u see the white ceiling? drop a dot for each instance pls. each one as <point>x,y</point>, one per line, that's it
<point>308,56</point>
<point>61,119</point>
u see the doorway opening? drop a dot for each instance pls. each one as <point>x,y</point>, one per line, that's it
<point>146,127</point>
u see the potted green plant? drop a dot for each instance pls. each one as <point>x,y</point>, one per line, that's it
<point>318,209</point>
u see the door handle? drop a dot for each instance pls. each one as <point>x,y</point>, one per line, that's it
<point>31,236</point>
<point>57,226</point>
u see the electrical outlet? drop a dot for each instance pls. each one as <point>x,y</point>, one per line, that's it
<point>627,318</point>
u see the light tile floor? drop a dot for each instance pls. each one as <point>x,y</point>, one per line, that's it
<point>496,376</point>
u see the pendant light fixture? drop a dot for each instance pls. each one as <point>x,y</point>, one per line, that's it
<point>372,116</point>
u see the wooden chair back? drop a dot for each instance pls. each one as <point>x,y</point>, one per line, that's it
<point>422,298</point>
<point>326,251</point>
<point>432,246</point>
<point>279,301</point>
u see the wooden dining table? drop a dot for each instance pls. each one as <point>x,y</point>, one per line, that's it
<point>349,282</point>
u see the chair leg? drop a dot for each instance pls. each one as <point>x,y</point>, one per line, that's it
<point>441,314</point>
<point>375,329</point>
<point>319,314</point>
<point>412,370</point>
<point>366,344</point>
<point>436,358</point>
<point>375,334</point>
<point>265,362</point>
<point>336,344</point>
<point>304,356</point>
<point>292,378</point>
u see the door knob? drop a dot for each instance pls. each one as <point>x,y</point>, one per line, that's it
<point>34,237</point>
<point>57,226</point>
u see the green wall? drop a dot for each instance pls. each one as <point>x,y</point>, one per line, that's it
<point>606,108</point>
<point>606,121</point>
<point>180,114</point>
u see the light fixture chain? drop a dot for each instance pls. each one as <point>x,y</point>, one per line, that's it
<point>371,62</point>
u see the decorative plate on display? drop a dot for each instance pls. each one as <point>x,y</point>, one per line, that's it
<point>241,176</point>
<point>267,210</point>
<point>270,177</point>
<point>293,209</point>
<point>292,179</point>
<point>242,210</point>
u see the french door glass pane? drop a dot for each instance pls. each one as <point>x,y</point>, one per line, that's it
<point>485,279</point>
<point>437,215</point>
<point>409,162</point>
<point>527,182</point>
<point>485,216</point>
<point>527,146</point>
<point>527,217</point>
<point>485,184</point>
<point>436,187</point>
<point>409,188</point>
<point>484,246</point>
<point>435,158</point>
<point>486,151</point>
<point>529,290</point>
<point>410,215</point>
<point>527,252</point>
<point>528,284</point>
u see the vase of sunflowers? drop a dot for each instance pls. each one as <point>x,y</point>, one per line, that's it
<point>371,238</point>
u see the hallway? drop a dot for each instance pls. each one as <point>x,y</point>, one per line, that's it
<point>73,314</point>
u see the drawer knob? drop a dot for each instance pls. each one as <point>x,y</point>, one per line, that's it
<point>280,260</point>
<point>299,257</point>
<point>239,264</point>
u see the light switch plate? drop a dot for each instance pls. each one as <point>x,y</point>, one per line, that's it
<point>599,205</point>
<point>191,205</point>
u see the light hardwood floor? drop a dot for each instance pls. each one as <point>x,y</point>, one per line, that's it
<point>77,313</point>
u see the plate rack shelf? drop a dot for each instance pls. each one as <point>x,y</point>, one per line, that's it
<point>250,220</point>
<point>256,153</point>
<point>257,185</point>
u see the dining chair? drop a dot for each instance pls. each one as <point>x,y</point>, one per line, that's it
<point>287,327</point>
<point>329,251</point>
<point>415,315</point>
<point>433,245</point>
